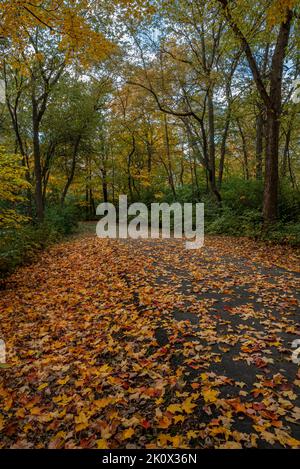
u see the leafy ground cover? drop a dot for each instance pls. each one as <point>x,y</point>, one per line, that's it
<point>144,344</point>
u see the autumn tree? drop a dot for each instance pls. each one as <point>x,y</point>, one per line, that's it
<point>41,40</point>
<point>279,17</point>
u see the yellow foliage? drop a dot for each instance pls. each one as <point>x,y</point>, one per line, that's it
<point>278,11</point>
<point>12,186</point>
<point>67,20</point>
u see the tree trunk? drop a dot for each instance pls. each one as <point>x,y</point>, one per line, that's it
<point>104,185</point>
<point>259,145</point>
<point>272,101</point>
<point>212,148</point>
<point>245,151</point>
<point>286,153</point>
<point>271,171</point>
<point>149,156</point>
<point>129,168</point>
<point>270,202</point>
<point>72,171</point>
<point>260,122</point>
<point>37,163</point>
<point>167,147</point>
<point>223,148</point>
<point>92,203</point>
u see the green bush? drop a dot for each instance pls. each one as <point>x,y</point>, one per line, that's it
<point>289,204</point>
<point>184,194</point>
<point>242,195</point>
<point>62,219</point>
<point>241,212</point>
<point>19,246</point>
<point>284,233</point>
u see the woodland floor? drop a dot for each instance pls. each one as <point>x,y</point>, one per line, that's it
<point>130,344</point>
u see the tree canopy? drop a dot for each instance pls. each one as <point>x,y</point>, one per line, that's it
<point>154,99</point>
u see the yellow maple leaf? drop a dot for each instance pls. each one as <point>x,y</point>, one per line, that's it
<point>63,381</point>
<point>230,445</point>
<point>164,422</point>
<point>173,408</point>
<point>102,444</point>
<point>176,441</point>
<point>35,411</point>
<point>81,421</point>
<point>105,432</point>
<point>104,369</point>
<point>8,404</point>
<point>188,405</point>
<point>79,383</point>
<point>285,439</point>
<point>20,413</point>
<point>101,403</point>
<point>192,434</point>
<point>269,437</point>
<point>163,439</point>
<point>210,395</point>
<point>127,433</point>
<point>42,386</point>
<point>178,418</point>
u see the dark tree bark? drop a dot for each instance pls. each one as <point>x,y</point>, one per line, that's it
<point>270,203</point>
<point>37,161</point>
<point>39,102</point>
<point>286,162</point>
<point>168,153</point>
<point>46,168</point>
<point>223,148</point>
<point>149,156</point>
<point>245,150</point>
<point>211,156</point>
<point>211,141</point>
<point>181,166</point>
<point>129,158</point>
<point>259,147</point>
<point>104,184</point>
<point>72,170</point>
<point>260,122</point>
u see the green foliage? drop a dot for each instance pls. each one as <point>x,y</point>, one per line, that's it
<point>63,220</point>
<point>248,223</point>
<point>240,214</point>
<point>242,195</point>
<point>284,233</point>
<point>19,246</point>
<point>184,194</point>
<point>289,204</point>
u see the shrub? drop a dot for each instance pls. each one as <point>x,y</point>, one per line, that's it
<point>62,219</point>
<point>284,233</point>
<point>241,212</point>
<point>289,204</point>
<point>19,246</point>
<point>242,195</point>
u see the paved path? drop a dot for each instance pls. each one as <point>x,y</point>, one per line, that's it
<point>116,344</point>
